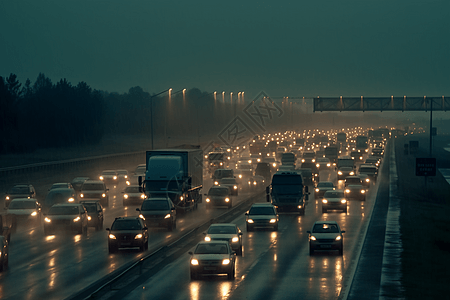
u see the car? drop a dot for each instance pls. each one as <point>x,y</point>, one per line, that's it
<point>256,182</point>
<point>66,216</point>
<point>326,235</point>
<point>65,185</point>
<point>334,199</point>
<point>133,195</point>
<point>323,163</point>
<point>372,161</point>
<point>355,191</point>
<point>123,176</point>
<point>313,168</point>
<point>214,257</point>
<point>261,215</point>
<point>158,212</point>
<point>109,176</point>
<point>127,232</point>
<point>19,191</point>
<point>222,173</point>
<point>225,232</point>
<point>369,170</point>
<point>263,169</point>
<point>218,195</point>
<point>95,213</point>
<point>365,179</point>
<point>95,190</point>
<point>377,152</point>
<point>230,183</point>
<point>57,196</point>
<point>272,162</point>
<point>140,170</point>
<point>322,187</point>
<point>308,157</point>
<point>77,183</point>
<point>24,210</point>
<point>4,253</point>
<point>356,155</point>
<point>353,180</point>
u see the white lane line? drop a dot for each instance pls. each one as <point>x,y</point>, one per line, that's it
<point>446,174</point>
<point>390,283</point>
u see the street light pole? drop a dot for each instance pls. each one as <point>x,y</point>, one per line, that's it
<point>151,112</point>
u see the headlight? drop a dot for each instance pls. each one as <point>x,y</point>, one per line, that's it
<point>101,177</point>
<point>138,236</point>
<point>128,182</point>
<point>34,213</point>
<point>142,196</point>
<point>226,261</point>
<point>7,198</point>
<point>249,161</point>
<point>313,160</point>
<point>274,165</point>
<point>258,160</point>
<point>328,165</point>
<point>194,262</point>
<point>363,191</point>
<point>273,220</point>
<point>317,165</point>
<point>227,199</point>
<point>347,191</point>
<point>339,173</point>
<point>89,218</point>
<point>103,195</point>
<point>338,238</point>
<point>250,221</point>
<point>47,220</point>
<point>115,177</point>
<point>81,195</point>
<point>299,206</point>
<point>125,196</point>
<point>303,160</point>
<point>208,200</point>
<point>317,190</point>
<point>207,239</point>
<point>240,175</point>
<point>167,216</point>
<point>235,187</point>
<point>235,239</point>
<point>112,236</point>
<point>77,219</point>
<point>367,180</point>
<point>71,200</point>
<point>352,173</point>
<point>181,198</point>
<point>343,201</point>
<point>254,182</point>
<point>216,183</point>
<point>126,176</point>
<point>324,201</point>
<point>141,216</point>
<point>313,238</point>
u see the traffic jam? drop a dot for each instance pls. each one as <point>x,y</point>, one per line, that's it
<point>294,204</point>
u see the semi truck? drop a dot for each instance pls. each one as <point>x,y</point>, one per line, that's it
<point>174,173</point>
<point>287,192</point>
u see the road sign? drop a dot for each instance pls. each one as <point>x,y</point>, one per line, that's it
<point>426,166</point>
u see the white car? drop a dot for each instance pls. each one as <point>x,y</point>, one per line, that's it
<point>262,215</point>
<point>25,210</point>
<point>215,257</point>
<point>334,200</point>
<point>223,232</point>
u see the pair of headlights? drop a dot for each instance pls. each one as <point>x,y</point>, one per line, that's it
<point>225,261</point>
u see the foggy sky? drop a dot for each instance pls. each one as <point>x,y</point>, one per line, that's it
<point>286,48</point>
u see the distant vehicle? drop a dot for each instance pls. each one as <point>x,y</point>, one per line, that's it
<point>140,170</point>
<point>219,195</point>
<point>20,191</point>
<point>334,200</point>
<point>127,232</point>
<point>231,183</point>
<point>223,173</point>
<point>158,212</point>
<point>322,187</point>
<point>369,170</point>
<point>25,210</point>
<point>313,168</point>
<point>353,180</point>
<point>123,176</point>
<point>307,175</point>
<point>308,157</point>
<point>341,137</point>
<point>4,253</point>
<point>95,213</point>
<point>64,185</point>
<point>377,152</point>
<point>77,182</point>
<point>109,176</point>
<point>216,160</point>
<point>288,158</point>
<point>133,195</point>
<point>326,235</point>
<point>95,190</point>
<point>262,215</point>
<point>362,144</point>
<point>373,161</point>
<point>273,163</point>
<point>58,196</point>
<point>345,166</point>
<point>357,155</point>
<point>225,232</point>
<point>323,163</point>
<point>212,258</point>
<point>256,182</point>
<point>67,216</point>
<point>355,191</point>
<point>332,153</point>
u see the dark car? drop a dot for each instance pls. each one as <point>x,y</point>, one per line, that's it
<point>67,216</point>
<point>19,191</point>
<point>133,195</point>
<point>58,196</point>
<point>223,173</point>
<point>326,235</point>
<point>219,195</point>
<point>158,212</point>
<point>4,252</point>
<point>95,190</point>
<point>127,232</point>
<point>231,183</point>
<point>95,213</point>
<point>263,169</point>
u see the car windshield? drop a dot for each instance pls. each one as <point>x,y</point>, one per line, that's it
<point>334,194</point>
<point>325,228</point>
<point>325,184</point>
<point>19,190</point>
<point>218,192</point>
<point>93,187</point>
<point>90,207</point>
<point>122,172</point>
<point>367,170</point>
<point>132,189</point>
<point>228,181</point>
<point>309,155</point>
<point>59,185</point>
<point>155,205</point>
<point>352,180</point>
<point>261,211</point>
<point>211,249</point>
<point>63,210</point>
<point>108,173</point>
<point>222,230</point>
<point>126,225</point>
<point>22,205</point>
<point>323,160</point>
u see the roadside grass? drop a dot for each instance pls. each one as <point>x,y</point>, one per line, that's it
<point>425,231</point>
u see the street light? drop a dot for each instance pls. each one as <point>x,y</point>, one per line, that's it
<point>151,111</point>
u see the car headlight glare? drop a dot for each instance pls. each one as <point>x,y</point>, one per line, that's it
<point>208,200</point>
<point>194,262</point>
<point>347,191</point>
<point>343,201</point>
<point>34,213</point>
<point>81,195</point>
<point>317,165</point>
<point>235,239</point>
<point>363,191</point>
<point>338,238</point>
<point>115,177</point>
<point>141,216</point>
<point>7,198</point>
<point>235,187</point>
<point>101,177</point>
<point>167,216</point>
<point>77,219</point>
<point>207,239</point>
<point>104,195</point>
<point>273,220</point>
<point>324,201</point>
<point>250,221</point>
<point>274,165</point>
<point>71,200</point>
<point>227,199</point>
<point>112,236</point>
<point>313,238</point>
<point>317,190</point>
<point>226,261</point>
<point>352,173</point>
<point>142,196</point>
<point>89,218</point>
<point>367,180</point>
<point>125,196</point>
<point>216,183</point>
<point>138,236</point>
<point>339,173</point>
<point>328,165</point>
<point>47,220</point>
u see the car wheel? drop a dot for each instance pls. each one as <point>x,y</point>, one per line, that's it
<point>302,212</point>
<point>142,247</point>
<point>311,250</point>
<point>341,250</point>
<point>232,274</point>
<point>194,275</point>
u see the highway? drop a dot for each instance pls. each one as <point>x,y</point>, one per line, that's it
<point>274,265</point>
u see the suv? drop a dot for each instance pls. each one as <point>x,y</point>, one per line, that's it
<point>262,215</point>
<point>158,212</point>
<point>20,191</point>
<point>127,232</point>
<point>95,213</point>
<point>71,216</point>
<point>95,190</point>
